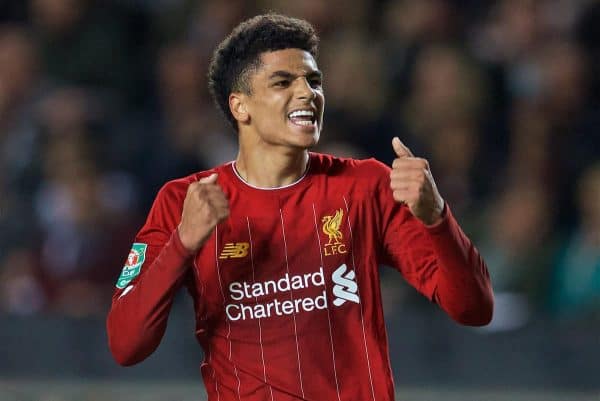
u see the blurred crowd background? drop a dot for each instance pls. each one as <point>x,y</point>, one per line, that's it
<point>101,102</point>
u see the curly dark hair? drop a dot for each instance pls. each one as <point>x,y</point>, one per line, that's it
<point>240,52</point>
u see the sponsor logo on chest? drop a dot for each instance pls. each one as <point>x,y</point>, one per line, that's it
<point>247,304</point>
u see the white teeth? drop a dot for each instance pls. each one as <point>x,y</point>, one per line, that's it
<point>300,113</point>
<point>304,122</point>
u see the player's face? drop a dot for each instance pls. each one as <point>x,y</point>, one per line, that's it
<point>286,103</point>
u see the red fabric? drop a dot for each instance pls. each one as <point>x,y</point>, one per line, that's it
<point>323,339</point>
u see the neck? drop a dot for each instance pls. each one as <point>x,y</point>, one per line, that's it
<point>271,169</point>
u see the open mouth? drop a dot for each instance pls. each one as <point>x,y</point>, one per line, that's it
<point>303,118</point>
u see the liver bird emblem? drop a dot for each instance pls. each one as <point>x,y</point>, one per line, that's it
<point>331,227</point>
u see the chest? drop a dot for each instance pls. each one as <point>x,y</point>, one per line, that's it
<point>299,242</point>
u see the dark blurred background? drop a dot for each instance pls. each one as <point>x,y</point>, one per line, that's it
<point>101,102</point>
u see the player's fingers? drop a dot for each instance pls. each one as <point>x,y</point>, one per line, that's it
<point>408,196</point>
<point>399,186</point>
<point>400,148</point>
<point>211,179</point>
<point>202,186</point>
<point>406,184</point>
<point>206,190</point>
<point>400,195</point>
<point>214,200</point>
<point>407,163</point>
<point>413,186</point>
<point>222,211</point>
<point>415,174</point>
<point>192,187</point>
<point>218,200</point>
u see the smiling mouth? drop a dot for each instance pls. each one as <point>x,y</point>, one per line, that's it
<point>303,118</point>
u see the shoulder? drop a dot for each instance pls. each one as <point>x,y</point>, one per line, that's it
<point>371,169</point>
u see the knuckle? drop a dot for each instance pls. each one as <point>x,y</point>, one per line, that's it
<point>398,163</point>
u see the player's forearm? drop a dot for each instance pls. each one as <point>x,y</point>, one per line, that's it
<point>138,315</point>
<point>463,287</point>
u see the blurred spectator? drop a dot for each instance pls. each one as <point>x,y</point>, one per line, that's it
<point>21,288</point>
<point>328,16</point>
<point>19,90</point>
<point>516,241</point>
<point>353,111</point>
<point>213,20</point>
<point>192,128</point>
<point>509,33</point>
<point>442,114</point>
<point>91,43</point>
<point>180,131</point>
<point>83,211</point>
<point>412,22</point>
<point>575,291</point>
<point>517,244</point>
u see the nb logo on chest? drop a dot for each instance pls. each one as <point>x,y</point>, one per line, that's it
<point>235,250</point>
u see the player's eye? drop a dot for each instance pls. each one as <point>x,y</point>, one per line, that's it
<point>316,82</point>
<point>282,83</point>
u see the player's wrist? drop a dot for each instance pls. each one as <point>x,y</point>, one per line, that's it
<point>437,215</point>
<point>187,240</point>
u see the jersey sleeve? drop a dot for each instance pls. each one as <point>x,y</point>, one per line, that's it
<point>154,270</point>
<point>440,261</point>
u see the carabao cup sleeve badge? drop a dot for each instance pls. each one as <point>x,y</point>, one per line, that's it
<point>133,264</point>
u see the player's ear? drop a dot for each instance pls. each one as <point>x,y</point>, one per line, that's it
<point>237,105</point>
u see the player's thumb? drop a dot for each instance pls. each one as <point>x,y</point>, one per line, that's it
<point>211,179</point>
<point>400,148</point>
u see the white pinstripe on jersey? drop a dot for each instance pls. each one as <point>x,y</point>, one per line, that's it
<point>208,350</point>
<point>287,266</point>
<point>262,355</point>
<point>362,322</point>
<point>337,387</point>
<point>224,302</point>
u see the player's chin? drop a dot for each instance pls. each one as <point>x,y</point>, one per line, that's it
<point>307,138</point>
<point>307,134</point>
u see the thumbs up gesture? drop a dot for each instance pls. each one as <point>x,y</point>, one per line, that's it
<point>412,184</point>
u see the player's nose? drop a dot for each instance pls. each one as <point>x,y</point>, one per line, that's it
<point>304,90</point>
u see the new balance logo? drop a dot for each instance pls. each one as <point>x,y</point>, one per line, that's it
<point>235,250</point>
<point>345,288</point>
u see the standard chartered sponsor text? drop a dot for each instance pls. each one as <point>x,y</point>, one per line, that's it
<point>241,291</point>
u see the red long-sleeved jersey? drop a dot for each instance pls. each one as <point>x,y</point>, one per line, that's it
<point>286,290</point>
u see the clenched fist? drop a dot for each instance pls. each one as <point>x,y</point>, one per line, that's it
<point>205,205</point>
<point>412,184</point>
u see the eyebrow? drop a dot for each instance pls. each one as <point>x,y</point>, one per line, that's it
<point>289,75</point>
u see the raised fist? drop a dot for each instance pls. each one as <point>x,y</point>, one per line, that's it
<point>205,205</point>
